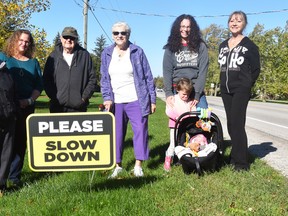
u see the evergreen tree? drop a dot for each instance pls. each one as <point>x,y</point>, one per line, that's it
<point>96,57</point>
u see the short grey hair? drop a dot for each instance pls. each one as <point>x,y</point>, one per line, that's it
<point>122,24</point>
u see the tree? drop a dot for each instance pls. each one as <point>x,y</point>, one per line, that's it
<point>273,54</point>
<point>213,36</point>
<point>56,40</point>
<point>15,14</point>
<point>159,82</point>
<point>96,56</point>
<point>43,47</point>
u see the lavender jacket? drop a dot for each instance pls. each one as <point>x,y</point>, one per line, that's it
<point>143,77</point>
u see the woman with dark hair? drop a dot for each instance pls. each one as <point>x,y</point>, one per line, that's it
<point>186,55</point>
<point>25,70</point>
<point>239,69</point>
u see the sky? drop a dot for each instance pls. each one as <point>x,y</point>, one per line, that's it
<point>150,20</point>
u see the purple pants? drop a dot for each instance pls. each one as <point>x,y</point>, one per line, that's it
<point>125,112</point>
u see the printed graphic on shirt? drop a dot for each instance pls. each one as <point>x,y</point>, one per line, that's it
<point>235,56</point>
<point>186,58</point>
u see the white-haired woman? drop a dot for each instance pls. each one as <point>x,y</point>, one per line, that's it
<point>128,90</point>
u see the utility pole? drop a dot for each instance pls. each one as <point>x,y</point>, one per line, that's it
<point>85,14</point>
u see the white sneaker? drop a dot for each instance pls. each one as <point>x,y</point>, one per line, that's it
<point>115,172</point>
<point>138,172</point>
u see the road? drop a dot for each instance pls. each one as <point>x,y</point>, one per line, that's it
<point>266,127</point>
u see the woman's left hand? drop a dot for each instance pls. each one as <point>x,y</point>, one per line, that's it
<point>153,108</point>
<point>23,103</point>
<point>194,103</point>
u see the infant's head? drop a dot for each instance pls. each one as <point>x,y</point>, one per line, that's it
<point>198,141</point>
<point>199,138</point>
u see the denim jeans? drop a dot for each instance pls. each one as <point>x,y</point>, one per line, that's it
<point>202,102</point>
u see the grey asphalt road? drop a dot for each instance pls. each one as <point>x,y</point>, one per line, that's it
<point>266,127</point>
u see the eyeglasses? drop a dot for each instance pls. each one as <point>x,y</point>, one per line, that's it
<point>185,27</point>
<point>122,33</point>
<point>25,42</point>
<point>69,37</point>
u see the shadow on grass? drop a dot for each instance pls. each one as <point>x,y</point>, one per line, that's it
<point>262,149</point>
<point>154,153</point>
<point>255,151</point>
<point>133,182</point>
<point>157,155</point>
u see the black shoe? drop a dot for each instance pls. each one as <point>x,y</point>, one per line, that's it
<point>14,185</point>
<point>178,163</point>
<point>240,169</point>
<point>2,190</point>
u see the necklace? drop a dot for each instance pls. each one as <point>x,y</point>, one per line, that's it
<point>20,71</point>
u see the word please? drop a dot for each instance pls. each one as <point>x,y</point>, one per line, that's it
<point>71,127</point>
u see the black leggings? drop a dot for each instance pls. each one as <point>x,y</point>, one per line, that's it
<point>235,105</point>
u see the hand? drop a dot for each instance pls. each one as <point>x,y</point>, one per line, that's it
<point>194,103</point>
<point>170,101</point>
<point>108,105</point>
<point>23,103</point>
<point>153,108</point>
<point>194,146</point>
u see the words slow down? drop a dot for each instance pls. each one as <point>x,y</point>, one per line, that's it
<point>71,148</point>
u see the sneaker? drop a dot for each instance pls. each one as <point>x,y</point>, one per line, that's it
<point>167,163</point>
<point>115,172</point>
<point>138,172</point>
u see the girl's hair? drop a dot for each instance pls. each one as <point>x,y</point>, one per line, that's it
<point>174,42</point>
<point>11,45</point>
<point>122,24</point>
<point>184,84</point>
<point>242,15</point>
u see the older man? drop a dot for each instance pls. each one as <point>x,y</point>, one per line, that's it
<point>69,77</point>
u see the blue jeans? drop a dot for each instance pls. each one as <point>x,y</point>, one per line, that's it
<point>202,102</point>
<point>19,144</point>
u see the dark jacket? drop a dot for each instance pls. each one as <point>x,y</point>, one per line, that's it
<point>8,99</point>
<point>69,86</point>
<point>240,67</point>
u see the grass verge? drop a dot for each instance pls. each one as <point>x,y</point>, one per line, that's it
<point>261,191</point>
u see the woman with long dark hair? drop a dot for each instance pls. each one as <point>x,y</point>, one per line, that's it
<point>186,55</point>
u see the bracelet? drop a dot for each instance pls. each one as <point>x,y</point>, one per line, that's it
<point>30,101</point>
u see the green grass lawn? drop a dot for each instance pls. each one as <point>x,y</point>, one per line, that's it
<point>261,191</point>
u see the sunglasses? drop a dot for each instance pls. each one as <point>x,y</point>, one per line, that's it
<point>122,33</point>
<point>69,37</point>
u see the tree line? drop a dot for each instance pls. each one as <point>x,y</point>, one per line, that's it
<point>272,83</point>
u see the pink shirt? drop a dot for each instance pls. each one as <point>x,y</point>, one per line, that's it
<point>179,108</point>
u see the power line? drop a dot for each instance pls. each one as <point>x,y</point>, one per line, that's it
<point>201,16</point>
<point>100,24</point>
<point>89,7</point>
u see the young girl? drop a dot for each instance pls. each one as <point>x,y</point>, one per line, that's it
<point>183,103</point>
